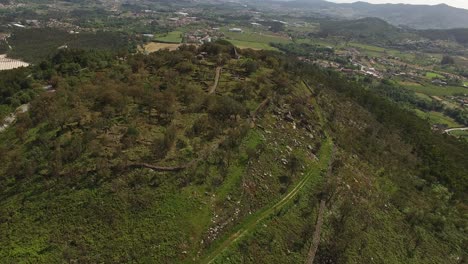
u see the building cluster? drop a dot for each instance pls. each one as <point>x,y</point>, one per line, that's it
<point>182,19</point>
<point>201,36</point>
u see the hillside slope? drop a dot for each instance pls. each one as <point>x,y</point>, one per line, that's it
<point>131,159</point>
<point>413,16</point>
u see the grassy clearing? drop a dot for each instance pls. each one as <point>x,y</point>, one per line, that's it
<point>256,37</point>
<point>155,46</point>
<point>460,133</point>
<point>253,40</point>
<point>171,37</point>
<point>431,75</point>
<point>437,118</point>
<point>432,90</point>
<point>424,96</point>
<point>367,47</point>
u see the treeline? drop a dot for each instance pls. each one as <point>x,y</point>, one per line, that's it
<point>303,49</point>
<point>443,157</point>
<point>459,35</point>
<point>35,45</point>
<point>405,96</point>
<point>15,89</point>
<point>367,30</point>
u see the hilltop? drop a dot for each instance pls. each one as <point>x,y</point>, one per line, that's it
<point>211,153</point>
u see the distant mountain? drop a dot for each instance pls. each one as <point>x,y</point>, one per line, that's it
<point>415,16</point>
<point>459,35</point>
<point>369,30</point>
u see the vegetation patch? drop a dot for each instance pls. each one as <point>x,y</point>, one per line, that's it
<point>170,37</point>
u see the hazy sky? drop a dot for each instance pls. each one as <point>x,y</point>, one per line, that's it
<point>456,3</point>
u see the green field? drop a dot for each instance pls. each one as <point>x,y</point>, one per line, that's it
<point>424,96</point>
<point>437,118</point>
<point>432,90</point>
<point>253,40</point>
<point>171,37</point>
<point>367,47</point>
<point>433,75</point>
<point>460,133</point>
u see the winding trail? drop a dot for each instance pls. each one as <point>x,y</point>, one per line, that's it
<point>321,212</point>
<point>250,224</point>
<point>215,85</point>
<point>456,129</point>
<point>325,155</point>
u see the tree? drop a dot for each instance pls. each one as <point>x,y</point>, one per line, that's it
<point>294,164</point>
<point>447,60</point>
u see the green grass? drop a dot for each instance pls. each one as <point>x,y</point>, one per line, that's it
<point>460,133</point>
<point>249,225</point>
<point>437,118</point>
<point>171,37</point>
<point>432,75</point>
<point>367,47</point>
<point>236,170</point>
<point>424,96</point>
<point>432,90</point>
<point>251,36</point>
<point>253,40</point>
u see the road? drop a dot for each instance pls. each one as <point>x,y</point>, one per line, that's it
<point>215,86</point>
<point>456,129</point>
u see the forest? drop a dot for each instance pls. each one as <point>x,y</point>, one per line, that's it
<point>146,158</point>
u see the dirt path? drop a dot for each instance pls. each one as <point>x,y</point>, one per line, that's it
<point>318,226</point>
<point>325,160</point>
<point>250,224</point>
<point>215,86</point>
<point>456,129</point>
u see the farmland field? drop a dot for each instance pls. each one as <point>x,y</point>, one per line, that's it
<point>437,118</point>
<point>435,90</point>
<point>171,37</point>
<point>254,37</point>
<point>433,75</point>
<point>460,133</point>
<point>155,46</point>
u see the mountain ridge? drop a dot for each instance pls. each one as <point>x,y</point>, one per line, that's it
<point>440,16</point>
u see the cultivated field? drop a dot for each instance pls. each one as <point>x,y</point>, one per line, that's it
<point>171,37</point>
<point>155,46</point>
